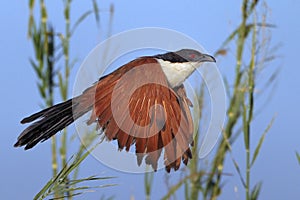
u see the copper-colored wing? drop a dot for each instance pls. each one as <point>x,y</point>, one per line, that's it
<point>135,105</point>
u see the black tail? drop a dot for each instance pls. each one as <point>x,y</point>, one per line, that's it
<point>51,120</point>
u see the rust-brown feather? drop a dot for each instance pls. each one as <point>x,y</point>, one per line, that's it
<point>153,118</point>
<point>171,128</point>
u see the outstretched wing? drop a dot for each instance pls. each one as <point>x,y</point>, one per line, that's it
<point>136,106</point>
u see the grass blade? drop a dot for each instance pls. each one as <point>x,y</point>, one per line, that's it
<point>96,12</point>
<point>57,183</point>
<point>174,188</point>
<point>261,140</point>
<point>298,157</point>
<point>148,180</point>
<point>255,191</point>
<point>80,20</point>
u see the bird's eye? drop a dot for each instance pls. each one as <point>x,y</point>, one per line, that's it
<point>192,56</point>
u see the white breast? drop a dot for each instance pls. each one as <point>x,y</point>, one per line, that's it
<point>176,73</point>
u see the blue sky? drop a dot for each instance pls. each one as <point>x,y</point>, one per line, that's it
<point>208,22</point>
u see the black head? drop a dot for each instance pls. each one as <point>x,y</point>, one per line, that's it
<point>186,55</point>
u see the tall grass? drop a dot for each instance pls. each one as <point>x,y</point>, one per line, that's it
<point>240,113</point>
<point>242,103</point>
<point>52,47</point>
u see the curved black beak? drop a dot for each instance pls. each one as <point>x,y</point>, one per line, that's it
<point>207,58</point>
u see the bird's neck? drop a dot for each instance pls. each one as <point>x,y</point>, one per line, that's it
<point>176,73</point>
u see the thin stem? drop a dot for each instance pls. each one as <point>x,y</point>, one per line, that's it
<point>64,85</point>
<point>48,79</point>
<point>251,84</point>
<point>233,111</point>
<point>194,192</point>
<point>64,90</point>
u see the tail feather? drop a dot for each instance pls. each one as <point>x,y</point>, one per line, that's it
<point>50,121</point>
<point>46,112</point>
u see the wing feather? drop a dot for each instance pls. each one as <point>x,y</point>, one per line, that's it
<point>159,116</point>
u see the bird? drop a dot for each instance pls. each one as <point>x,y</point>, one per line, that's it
<point>142,103</point>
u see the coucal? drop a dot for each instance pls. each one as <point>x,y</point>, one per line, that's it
<point>142,103</point>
